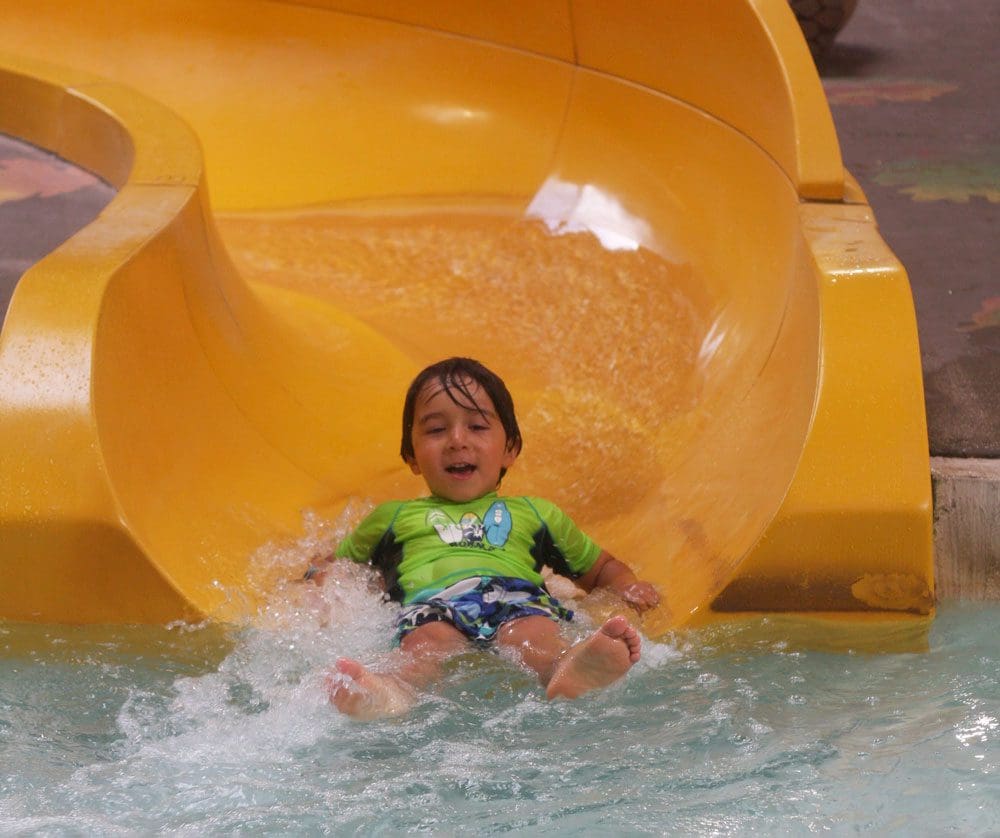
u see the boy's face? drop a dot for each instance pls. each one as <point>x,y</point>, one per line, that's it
<point>458,451</point>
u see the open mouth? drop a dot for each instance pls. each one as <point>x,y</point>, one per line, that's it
<point>460,469</point>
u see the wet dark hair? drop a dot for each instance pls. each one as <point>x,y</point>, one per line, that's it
<point>454,375</point>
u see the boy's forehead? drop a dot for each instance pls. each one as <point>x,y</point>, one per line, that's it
<point>438,388</point>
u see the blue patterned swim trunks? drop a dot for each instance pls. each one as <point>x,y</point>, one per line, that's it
<point>478,606</point>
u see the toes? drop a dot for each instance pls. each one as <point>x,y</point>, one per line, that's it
<point>350,668</point>
<point>342,683</point>
<point>616,627</point>
<point>619,628</point>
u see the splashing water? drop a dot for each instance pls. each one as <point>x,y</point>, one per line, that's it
<point>194,730</point>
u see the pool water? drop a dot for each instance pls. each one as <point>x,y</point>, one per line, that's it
<point>732,730</point>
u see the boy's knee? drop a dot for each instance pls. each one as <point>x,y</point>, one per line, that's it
<point>536,631</point>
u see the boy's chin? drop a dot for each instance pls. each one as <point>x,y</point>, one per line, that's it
<point>461,491</point>
<point>458,497</point>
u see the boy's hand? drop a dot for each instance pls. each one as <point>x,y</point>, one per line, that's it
<point>317,570</point>
<point>607,572</point>
<point>640,595</point>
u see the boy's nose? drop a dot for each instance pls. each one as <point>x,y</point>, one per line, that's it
<point>456,437</point>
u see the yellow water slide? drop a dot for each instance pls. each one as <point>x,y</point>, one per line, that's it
<point>636,213</point>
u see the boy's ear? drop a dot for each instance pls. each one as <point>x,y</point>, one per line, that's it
<point>510,454</point>
<point>412,463</point>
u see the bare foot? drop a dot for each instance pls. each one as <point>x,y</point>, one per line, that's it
<point>365,695</point>
<point>596,661</point>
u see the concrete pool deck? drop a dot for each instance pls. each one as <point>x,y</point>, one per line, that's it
<point>917,135</point>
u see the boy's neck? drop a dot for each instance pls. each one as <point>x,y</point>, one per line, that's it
<point>490,494</point>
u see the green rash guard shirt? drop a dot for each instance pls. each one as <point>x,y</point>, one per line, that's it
<point>422,546</point>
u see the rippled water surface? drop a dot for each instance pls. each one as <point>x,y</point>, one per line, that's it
<point>737,730</point>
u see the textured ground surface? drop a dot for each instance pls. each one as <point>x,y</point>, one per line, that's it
<point>914,86</point>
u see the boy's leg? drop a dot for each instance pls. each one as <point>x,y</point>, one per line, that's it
<point>423,651</point>
<point>570,671</point>
<point>367,695</point>
<point>536,641</point>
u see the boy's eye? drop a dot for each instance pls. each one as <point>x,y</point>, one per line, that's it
<point>480,427</point>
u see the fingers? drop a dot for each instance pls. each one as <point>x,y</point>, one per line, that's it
<point>317,569</point>
<point>642,595</point>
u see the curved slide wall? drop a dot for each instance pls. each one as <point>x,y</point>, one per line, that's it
<point>638,217</point>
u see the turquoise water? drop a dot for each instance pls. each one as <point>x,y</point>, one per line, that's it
<point>729,731</point>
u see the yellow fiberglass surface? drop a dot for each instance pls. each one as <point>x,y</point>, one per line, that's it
<point>637,215</point>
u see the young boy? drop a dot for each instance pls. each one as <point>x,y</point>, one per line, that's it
<point>466,563</point>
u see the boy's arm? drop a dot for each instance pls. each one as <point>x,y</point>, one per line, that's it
<point>608,572</point>
<point>357,546</point>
